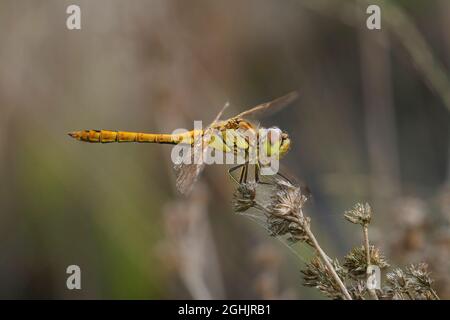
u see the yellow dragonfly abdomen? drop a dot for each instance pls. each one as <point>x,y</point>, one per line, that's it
<point>108,136</point>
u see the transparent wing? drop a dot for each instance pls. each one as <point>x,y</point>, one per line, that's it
<point>271,106</point>
<point>186,175</point>
<point>188,171</point>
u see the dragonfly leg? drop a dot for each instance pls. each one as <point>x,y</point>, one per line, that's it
<point>284,177</point>
<point>243,178</point>
<point>234,169</point>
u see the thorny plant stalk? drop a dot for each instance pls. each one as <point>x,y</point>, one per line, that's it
<point>362,215</point>
<point>366,243</point>
<point>372,292</point>
<point>285,216</point>
<point>435,295</point>
<point>326,260</point>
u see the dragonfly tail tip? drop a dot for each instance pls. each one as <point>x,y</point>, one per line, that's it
<point>73,134</point>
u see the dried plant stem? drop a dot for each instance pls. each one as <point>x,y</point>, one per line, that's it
<point>372,292</point>
<point>434,294</point>
<point>284,216</point>
<point>326,260</point>
<point>366,243</point>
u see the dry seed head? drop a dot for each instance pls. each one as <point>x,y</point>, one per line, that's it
<point>277,226</point>
<point>318,276</point>
<point>356,262</point>
<point>420,278</point>
<point>414,283</point>
<point>397,278</point>
<point>358,289</point>
<point>286,201</point>
<point>360,214</point>
<point>298,231</point>
<point>244,197</point>
<point>284,215</point>
<point>397,285</point>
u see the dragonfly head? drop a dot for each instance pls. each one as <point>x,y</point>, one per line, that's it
<point>285,145</point>
<point>277,142</point>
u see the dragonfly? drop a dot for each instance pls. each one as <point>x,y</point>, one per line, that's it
<point>213,136</point>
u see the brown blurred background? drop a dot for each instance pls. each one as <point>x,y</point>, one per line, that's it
<point>372,124</point>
